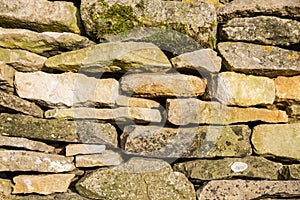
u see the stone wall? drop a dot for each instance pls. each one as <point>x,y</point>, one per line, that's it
<point>149,99</point>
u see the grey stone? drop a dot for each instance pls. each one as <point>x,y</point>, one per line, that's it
<point>196,142</point>
<point>106,158</point>
<point>259,59</point>
<point>7,74</point>
<point>57,196</point>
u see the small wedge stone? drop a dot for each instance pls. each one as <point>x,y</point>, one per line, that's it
<point>106,158</point>
<point>75,149</point>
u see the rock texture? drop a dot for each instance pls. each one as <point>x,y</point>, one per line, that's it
<point>162,85</point>
<point>42,184</point>
<point>66,89</point>
<point>294,171</point>
<point>239,89</point>
<point>136,102</point>
<point>196,142</point>
<point>148,178</point>
<point>7,74</point>
<point>51,16</point>
<point>263,30</point>
<point>75,149</point>
<point>194,111</point>
<point>294,110</point>
<point>5,188</point>
<point>196,19</point>
<point>280,140</point>
<point>259,59</point>
<point>115,57</point>
<point>106,158</point>
<point>67,195</point>
<point>288,88</point>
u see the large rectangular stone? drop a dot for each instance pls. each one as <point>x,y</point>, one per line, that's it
<point>287,88</point>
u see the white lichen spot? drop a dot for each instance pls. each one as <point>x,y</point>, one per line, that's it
<point>52,135</point>
<point>38,161</point>
<point>9,119</point>
<point>54,35</point>
<point>238,166</point>
<point>60,167</point>
<point>28,183</point>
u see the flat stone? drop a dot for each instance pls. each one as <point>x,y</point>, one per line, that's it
<point>247,167</point>
<point>26,144</point>
<point>263,30</point>
<point>245,8</point>
<point>137,179</point>
<point>202,61</point>
<point>21,60</point>
<point>136,102</point>
<point>46,43</point>
<point>75,149</point>
<point>42,184</point>
<point>232,88</point>
<point>115,57</point>
<point>57,130</point>
<point>107,114</point>
<point>39,15</point>
<point>7,74</point>
<point>194,111</point>
<point>294,110</point>
<point>67,196</point>
<point>294,171</point>
<point>259,59</point>
<point>20,105</point>
<point>195,142</point>
<point>5,189</point>
<point>162,85</point>
<point>67,89</point>
<point>248,189</point>
<point>288,88</point>
<point>278,140</point>
<point>106,158</point>
<point>18,160</point>
<point>195,19</point>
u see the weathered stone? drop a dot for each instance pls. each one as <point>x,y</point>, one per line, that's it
<point>21,60</point>
<point>294,171</point>
<point>196,19</point>
<point>258,59</point>
<point>162,85</point>
<point>17,160</point>
<point>57,196</point>
<point>7,74</point>
<point>46,43</point>
<point>116,114</point>
<point>67,89</point>
<point>288,88</point>
<point>137,179</point>
<point>279,140</point>
<point>202,61</point>
<point>25,143</point>
<point>250,167</point>
<point>40,15</point>
<point>232,88</point>
<point>196,142</point>
<point>105,158</point>
<point>262,29</point>
<point>247,189</point>
<point>5,189</point>
<point>194,111</point>
<point>294,110</point>
<point>112,57</point>
<point>20,105</point>
<point>136,102</point>
<point>245,8</point>
<point>75,149</point>
<point>57,130</point>
<point>42,184</point>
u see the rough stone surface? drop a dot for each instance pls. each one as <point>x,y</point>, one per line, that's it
<point>39,15</point>
<point>248,189</point>
<point>136,102</point>
<point>194,111</point>
<point>244,8</point>
<point>115,57</point>
<point>57,130</point>
<point>21,60</point>
<point>279,140</point>
<point>57,196</point>
<point>17,160</point>
<point>263,30</point>
<point>7,74</point>
<point>294,110</point>
<point>202,61</point>
<point>75,149</point>
<point>25,143</point>
<point>46,43</point>
<point>239,89</point>
<point>196,19</point>
<point>42,184</point>
<point>294,171</point>
<point>17,104</point>
<point>148,178</point>
<point>288,88</point>
<point>162,85</point>
<point>106,158</point>
<point>250,167</point>
<point>117,114</point>
<point>259,59</point>
<point>196,142</point>
<point>67,89</point>
<point>5,189</point>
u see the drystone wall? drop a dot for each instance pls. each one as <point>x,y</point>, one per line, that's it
<point>149,99</point>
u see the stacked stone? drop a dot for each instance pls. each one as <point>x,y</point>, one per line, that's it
<point>225,114</point>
